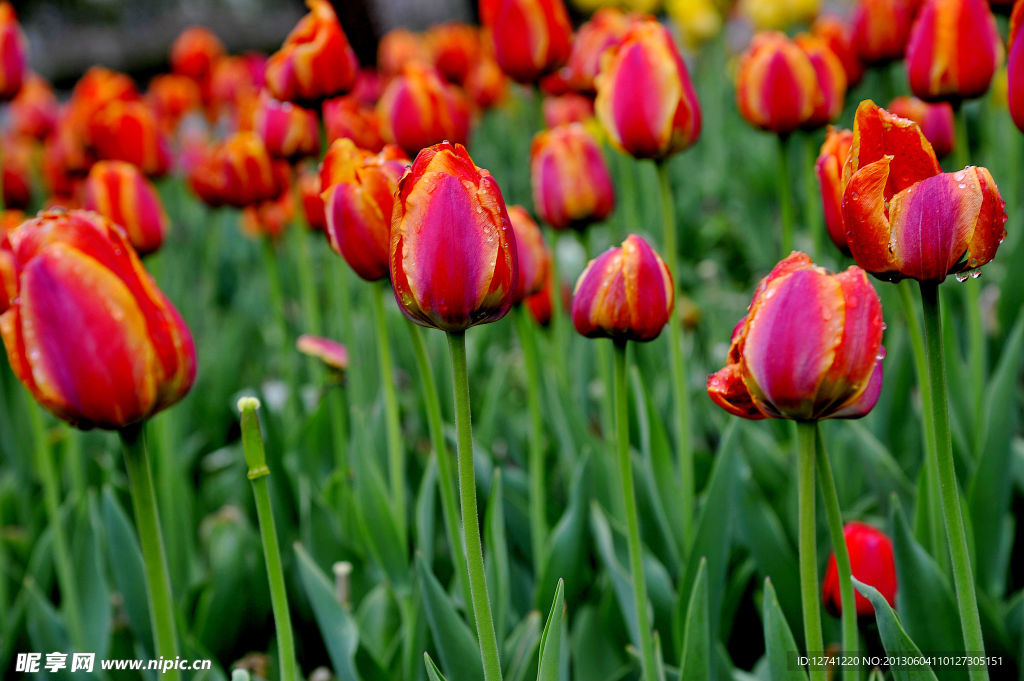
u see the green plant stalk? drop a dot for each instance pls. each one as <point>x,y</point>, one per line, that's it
<point>339,431</point>
<point>808,546</point>
<point>51,502</point>
<point>684,435</point>
<point>396,454</point>
<point>475,575</point>
<point>636,559</point>
<point>275,290</point>
<point>812,200</point>
<point>785,195</point>
<point>538,485</point>
<point>445,474</point>
<point>252,444</point>
<point>151,541</point>
<point>963,576</point>
<point>843,568</point>
<point>307,284</point>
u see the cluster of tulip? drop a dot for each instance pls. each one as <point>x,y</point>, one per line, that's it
<point>375,160</point>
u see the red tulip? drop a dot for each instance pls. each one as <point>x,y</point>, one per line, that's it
<point>568,108</point>
<point>935,120</point>
<point>455,48</point>
<point>289,131</point>
<point>348,117</point>
<point>626,293</point>
<point>810,347</point>
<point>533,254</point>
<point>128,131</point>
<point>237,172</point>
<point>332,353</point>
<point>34,110</point>
<point>837,35</point>
<point>399,47</point>
<point>89,333</point>
<point>777,86</point>
<point>233,81</point>
<point>831,80</point>
<point>120,193</point>
<point>419,109</point>
<point>486,83</point>
<point>453,254</point>
<point>16,161</point>
<point>571,183</point>
<point>531,37</point>
<point>540,304</point>
<point>830,177</point>
<point>171,97</point>
<point>13,53</point>
<point>1015,65</point>
<point>308,186</point>
<point>194,53</point>
<point>903,216</point>
<point>9,219</point>
<point>881,29</point>
<point>315,61</point>
<point>603,30</point>
<point>953,50</point>
<point>871,562</point>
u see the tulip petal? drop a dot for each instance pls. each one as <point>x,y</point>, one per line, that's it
<point>867,226</point>
<point>727,390</point>
<point>878,133</point>
<point>990,230</point>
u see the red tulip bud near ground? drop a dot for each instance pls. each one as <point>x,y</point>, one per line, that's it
<point>871,561</point>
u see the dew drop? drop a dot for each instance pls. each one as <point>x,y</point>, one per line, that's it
<point>962,185</point>
<point>975,274</point>
<point>961,277</point>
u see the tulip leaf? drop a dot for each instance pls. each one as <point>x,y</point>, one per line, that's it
<point>456,644</point>
<point>520,648</point>
<point>596,652</point>
<point>425,515</point>
<point>94,594</point>
<point>125,560</point>
<point>336,625</point>
<point>550,653</point>
<point>46,631</point>
<point>894,638</point>
<point>780,646</point>
<point>696,660</point>
<point>566,550</point>
<point>433,673</point>
<point>376,517</point>
<point>497,560</point>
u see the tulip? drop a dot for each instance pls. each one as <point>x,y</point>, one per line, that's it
<point>348,117</point>
<point>312,205</point>
<point>333,354</point>
<point>269,218</point>
<point>829,168</point>
<point>953,50</point>
<point>603,30</point>
<point>358,200</point>
<point>61,174</point>
<point>13,53</point>
<point>16,171</point>
<point>119,192</point>
<point>315,61</point>
<point>453,257</point>
<point>935,121</point>
<point>171,97</point>
<point>776,85</point>
<point>288,131</point>
<point>540,303</point>
<point>486,84</point>
<point>455,47</point>
<point>399,47</point>
<point>532,253</point>
<point>904,217</point>
<point>568,108</point>
<point>646,68</point>
<point>871,561</point>
<point>194,53</point>
<point>572,187</point>
<point>837,35</point>
<point>881,29</point>
<point>531,37</point>
<point>418,109</point>
<point>1015,66</point>
<point>8,274</point>
<point>233,81</point>
<point>94,91</point>
<point>34,110</point>
<point>237,172</point>
<point>831,80</point>
<point>128,131</point>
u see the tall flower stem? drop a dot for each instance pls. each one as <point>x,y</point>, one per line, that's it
<point>538,487</point>
<point>785,195</point>
<point>843,569</point>
<point>255,458</point>
<point>808,548</point>
<point>684,441</point>
<point>812,204</point>
<point>275,290</point>
<point>636,560</point>
<point>307,282</point>
<point>396,455</point>
<point>963,575</point>
<point>151,541</point>
<point>445,474</point>
<point>475,575</point>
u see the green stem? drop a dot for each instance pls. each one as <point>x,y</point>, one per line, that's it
<point>636,560</point>
<point>275,289</point>
<point>154,558</point>
<point>785,195</point>
<point>812,197</point>
<point>252,444</point>
<point>396,456</point>
<point>51,502</point>
<point>536,465</point>
<point>445,474</point>
<point>963,577</point>
<point>684,436</point>
<point>808,546</point>
<point>339,430</point>
<point>843,568</point>
<point>475,575</point>
<point>307,283</point>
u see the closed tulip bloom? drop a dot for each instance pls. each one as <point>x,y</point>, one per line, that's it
<point>315,61</point>
<point>308,186</point>
<point>333,354</point>
<point>831,80</point>
<point>953,50</point>
<point>533,254</point>
<point>531,37</point>
<point>119,192</point>
<point>776,85</point>
<point>358,199</point>
<point>829,169</point>
<point>34,110</point>
<point>540,303</point>
<point>645,99</point>
<point>288,131</point>
<point>572,187</point>
<point>128,131</point>
<point>453,254</point>
<point>881,29</point>
<point>1015,65</point>
<point>603,30</point>
<point>8,275</point>
<point>171,97</point>
<point>237,172</point>
<point>486,84</point>
<point>95,90</point>
<point>454,47</point>
<point>625,294</point>
<point>194,52</point>
<point>906,218</point>
<point>837,35</point>
<point>348,117</point>
<point>810,347</point>
<point>935,121</point>
<point>568,108</point>
<point>13,53</point>
<point>398,47</point>
<point>89,333</point>
<point>419,109</point>
<point>871,562</point>
<point>16,162</point>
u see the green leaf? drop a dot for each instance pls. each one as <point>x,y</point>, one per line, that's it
<point>456,644</point>
<point>497,556</point>
<point>551,640</point>
<point>46,632</point>
<point>520,648</point>
<point>336,624</point>
<point>425,515</point>
<point>93,592</point>
<point>433,673</point>
<point>894,638</point>
<point>376,517</point>
<point>125,560</point>
<point>566,550</point>
<point>780,646</point>
<point>696,660</point>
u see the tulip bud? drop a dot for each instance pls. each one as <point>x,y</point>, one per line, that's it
<point>455,48</point>
<point>871,562</point>
<point>881,29</point>
<point>453,253</point>
<point>605,29</point>
<point>34,110</point>
<point>810,347</point>
<point>531,37</point>
<point>237,172</point>
<point>953,50</point>
<point>776,85</point>
<point>626,294</point>
<point>837,36</point>
<point>128,131</point>
<point>1015,66</point>
<point>119,192</point>
<point>333,354</point>
<point>540,304</point>
<point>935,121</point>
<point>288,131</point>
<point>644,96</point>
<point>171,96</point>
<point>568,108</point>
<point>312,204</point>
<point>831,80</point>
<point>419,109</point>
<point>9,219</point>
<point>486,83</point>
<point>89,333</point>
<point>13,53</point>
<point>399,47</point>
<point>571,183</point>
<point>194,52</point>
<point>358,198</point>
<point>315,61</point>
<point>348,117</point>
<point>533,254</point>
<point>829,168</point>
<point>16,171</point>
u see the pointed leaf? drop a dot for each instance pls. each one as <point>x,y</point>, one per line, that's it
<point>125,560</point>
<point>497,556</point>
<point>894,638</point>
<point>780,647</point>
<point>696,661</point>
<point>336,625</point>
<point>433,673</point>
<point>551,640</point>
<point>456,644</point>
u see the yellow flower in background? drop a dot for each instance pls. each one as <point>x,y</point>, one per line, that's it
<point>698,20</point>
<point>643,6</point>
<point>779,14</point>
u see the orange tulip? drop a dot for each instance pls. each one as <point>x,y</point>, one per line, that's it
<point>603,30</point>
<point>237,172</point>
<point>419,109</point>
<point>533,255</point>
<point>531,37</point>
<point>572,187</point>
<point>935,120</point>
<point>119,192</point>
<point>831,80</point>
<point>13,53</point>
<point>194,52</point>
<point>777,86</point>
<point>34,110</point>
<point>289,131</point>
<point>399,47</point>
<point>128,131</point>
<point>837,35</point>
<point>348,117</point>
<point>829,168</point>
<point>171,97</point>
<point>455,47</point>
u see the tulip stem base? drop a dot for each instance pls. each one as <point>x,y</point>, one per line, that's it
<point>636,561</point>
<point>475,575</point>
<point>785,195</point>
<point>536,465</point>
<point>396,455</point>
<point>963,575</point>
<point>808,548</point>
<point>151,541</point>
